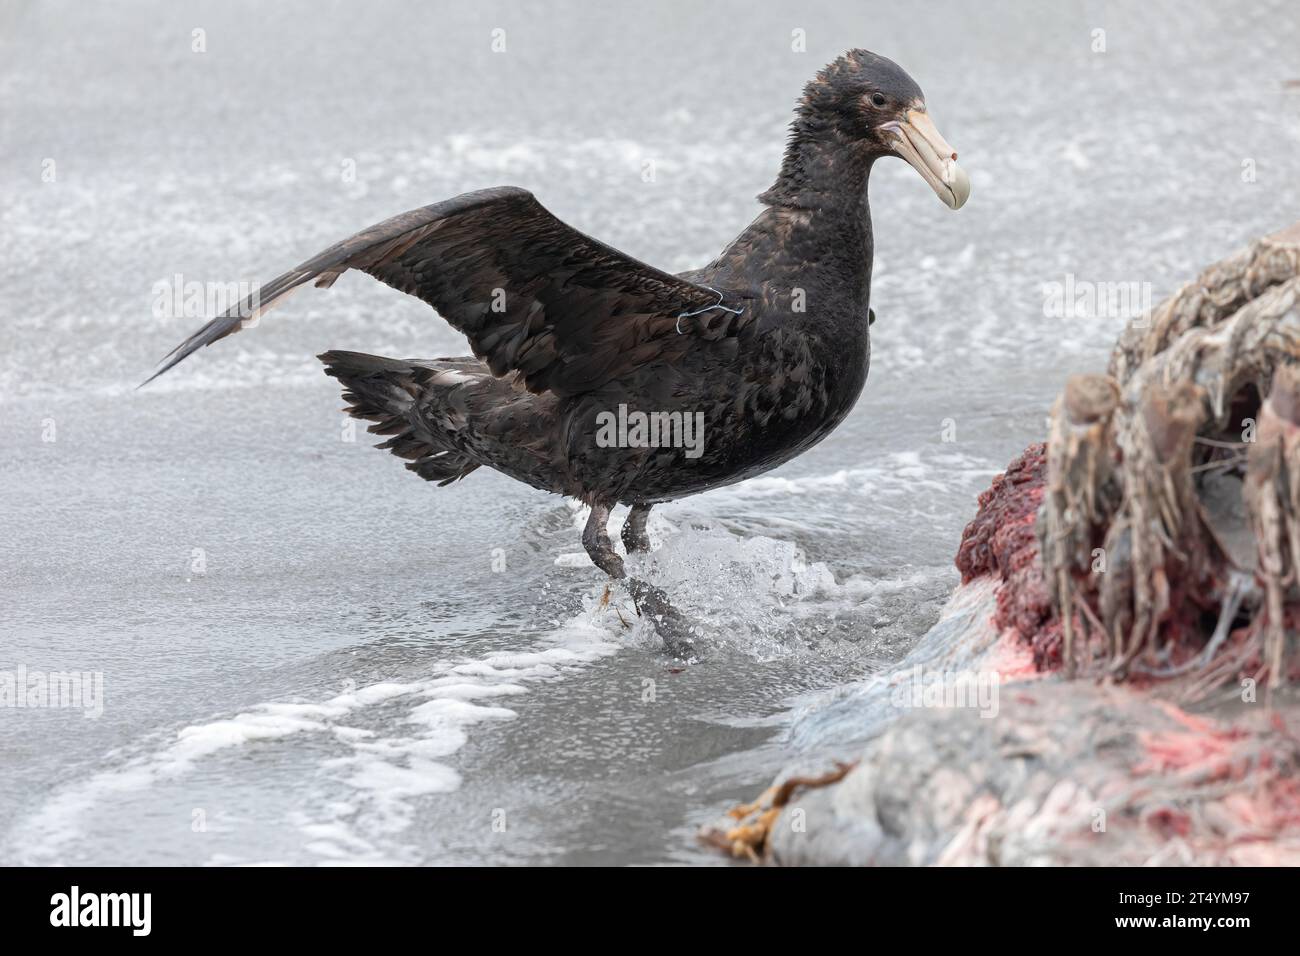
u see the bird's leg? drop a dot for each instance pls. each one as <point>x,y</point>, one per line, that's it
<point>634,536</point>
<point>651,601</point>
<point>669,623</point>
<point>595,538</point>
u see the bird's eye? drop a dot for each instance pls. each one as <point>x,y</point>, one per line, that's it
<point>877,100</point>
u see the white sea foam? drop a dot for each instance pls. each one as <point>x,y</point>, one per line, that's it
<point>909,470</point>
<point>387,745</point>
<point>384,772</point>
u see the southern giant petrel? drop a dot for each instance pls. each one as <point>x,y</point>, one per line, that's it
<point>765,349</point>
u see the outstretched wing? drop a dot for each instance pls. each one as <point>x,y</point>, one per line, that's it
<point>533,295</point>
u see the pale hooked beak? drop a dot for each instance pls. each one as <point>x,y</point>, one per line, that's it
<point>918,142</point>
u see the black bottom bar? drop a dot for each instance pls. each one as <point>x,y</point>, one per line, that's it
<point>365,905</point>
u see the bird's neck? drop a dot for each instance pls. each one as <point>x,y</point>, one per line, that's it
<point>815,233</point>
<point>819,169</point>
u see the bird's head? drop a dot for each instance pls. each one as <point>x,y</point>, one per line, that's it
<point>871,105</point>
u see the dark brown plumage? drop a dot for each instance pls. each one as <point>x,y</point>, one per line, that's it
<point>768,346</point>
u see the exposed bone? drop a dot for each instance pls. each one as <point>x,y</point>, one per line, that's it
<point>1272,492</point>
<point>1216,293</point>
<point>1131,456</point>
<point>1081,465</point>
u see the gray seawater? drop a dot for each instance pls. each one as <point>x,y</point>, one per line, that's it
<point>308,655</point>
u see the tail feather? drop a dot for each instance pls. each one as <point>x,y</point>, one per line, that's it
<point>387,392</point>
